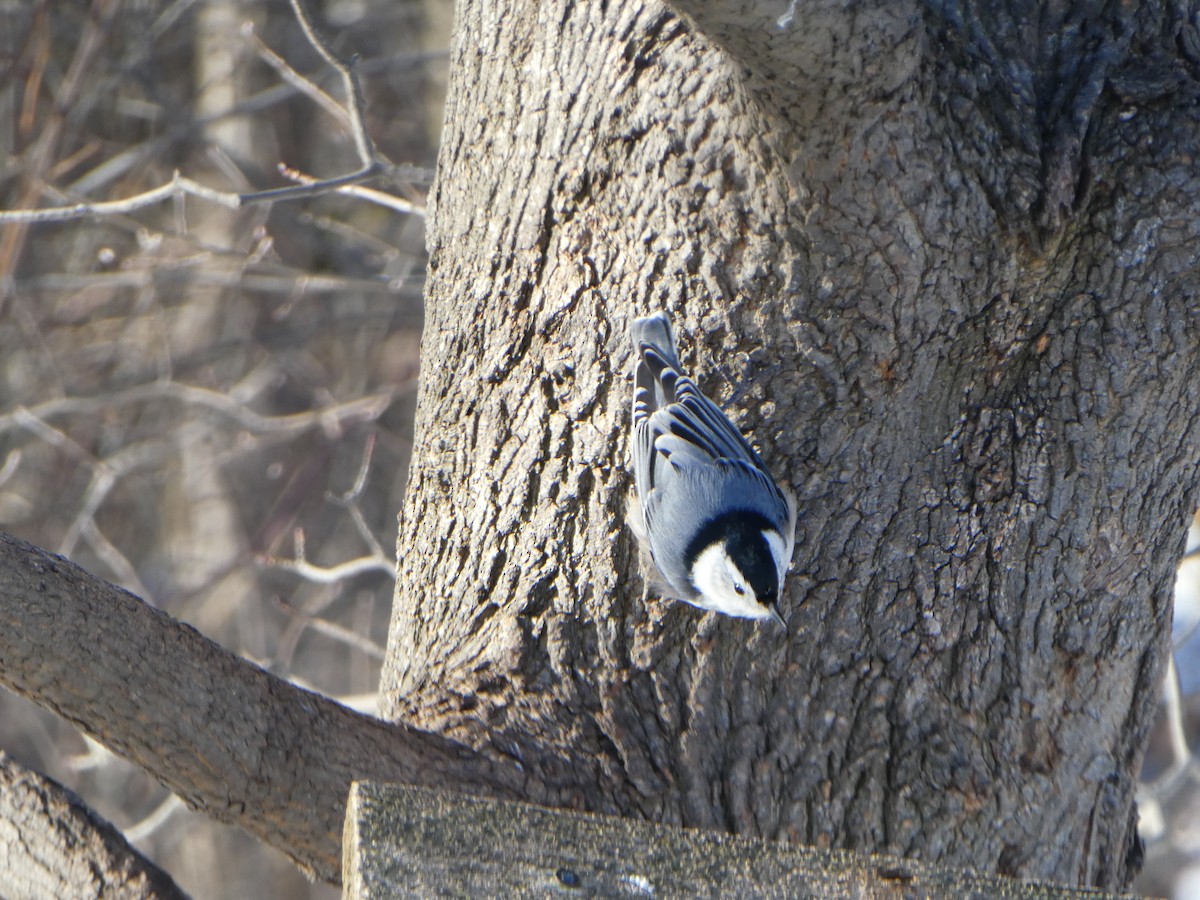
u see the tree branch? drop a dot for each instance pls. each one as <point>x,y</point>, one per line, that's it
<point>354,94</point>
<point>230,739</point>
<point>51,845</point>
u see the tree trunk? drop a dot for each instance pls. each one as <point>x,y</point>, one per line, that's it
<point>936,261</point>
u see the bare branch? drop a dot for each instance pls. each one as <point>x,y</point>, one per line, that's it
<point>1181,757</point>
<point>316,188</point>
<point>331,574</point>
<point>51,845</point>
<point>142,830</point>
<point>360,480</point>
<point>382,198</point>
<point>354,95</point>
<point>118,563</point>
<point>376,561</point>
<point>177,187</point>
<point>103,479</point>
<point>294,78</point>
<point>332,629</point>
<point>181,186</point>
<point>232,277</point>
<point>107,472</point>
<point>11,463</point>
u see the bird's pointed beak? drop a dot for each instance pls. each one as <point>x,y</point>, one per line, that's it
<point>774,610</point>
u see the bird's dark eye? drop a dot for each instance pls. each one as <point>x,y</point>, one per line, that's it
<point>739,590</point>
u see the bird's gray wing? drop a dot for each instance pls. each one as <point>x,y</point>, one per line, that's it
<point>690,429</point>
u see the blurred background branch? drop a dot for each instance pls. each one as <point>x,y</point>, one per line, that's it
<point>352,116</point>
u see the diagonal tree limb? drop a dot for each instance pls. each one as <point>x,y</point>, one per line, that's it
<point>230,739</point>
<point>52,845</point>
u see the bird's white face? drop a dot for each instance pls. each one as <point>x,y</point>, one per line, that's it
<point>724,589</point>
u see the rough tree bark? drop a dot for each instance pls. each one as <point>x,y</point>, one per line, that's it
<point>936,258</point>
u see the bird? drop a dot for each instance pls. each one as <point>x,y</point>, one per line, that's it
<point>717,528</point>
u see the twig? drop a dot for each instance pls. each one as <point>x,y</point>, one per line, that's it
<point>1182,763</point>
<point>33,421</point>
<point>119,165</point>
<point>139,831</point>
<point>181,186</point>
<point>11,463</point>
<point>391,201</point>
<point>360,480</point>
<point>333,630</point>
<point>105,473</point>
<point>117,562</point>
<point>167,275</point>
<point>349,501</point>
<point>284,70</point>
<point>178,186</point>
<point>377,562</point>
<point>1173,697</point>
<point>354,95</point>
<point>364,530</point>
<point>331,574</point>
<point>103,479</point>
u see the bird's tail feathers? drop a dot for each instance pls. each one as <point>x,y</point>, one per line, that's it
<point>655,331</point>
<point>656,363</point>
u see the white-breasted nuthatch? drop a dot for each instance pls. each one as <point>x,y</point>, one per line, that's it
<point>717,527</point>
